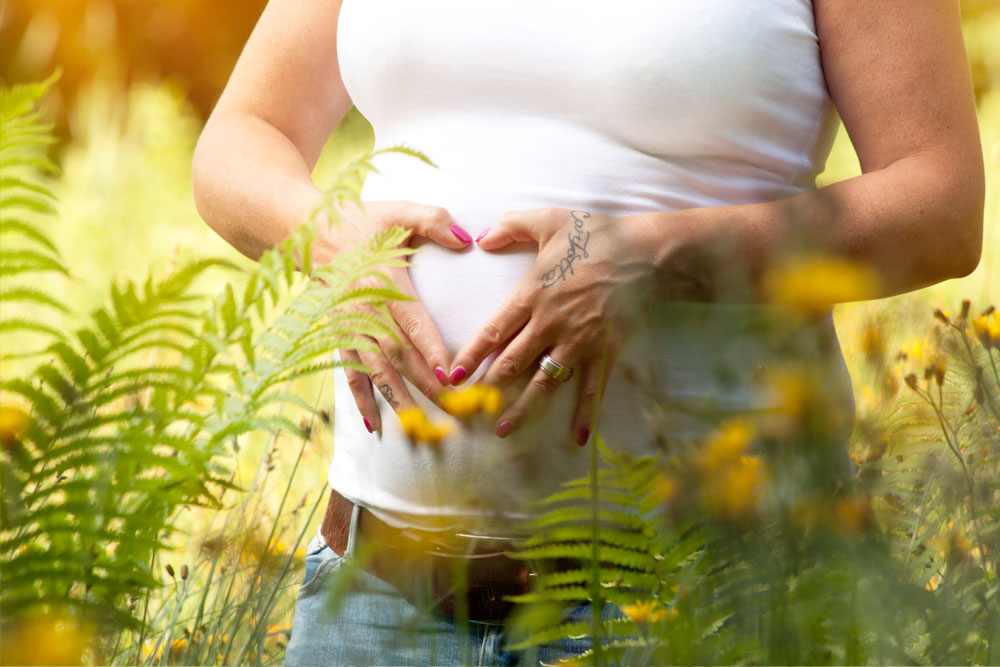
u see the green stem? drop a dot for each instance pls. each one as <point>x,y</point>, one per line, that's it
<point>597,599</point>
<point>965,470</point>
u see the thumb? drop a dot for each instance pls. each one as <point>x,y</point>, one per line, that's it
<point>512,227</point>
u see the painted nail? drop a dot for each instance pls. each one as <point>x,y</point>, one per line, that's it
<point>441,376</point>
<point>368,425</point>
<point>583,436</point>
<point>482,234</point>
<point>461,234</point>
<point>504,429</point>
<point>457,375</point>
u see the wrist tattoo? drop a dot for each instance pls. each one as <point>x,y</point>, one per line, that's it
<point>578,240</point>
<point>387,393</point>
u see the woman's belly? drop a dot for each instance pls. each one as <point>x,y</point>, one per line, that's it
<point>685,367</point>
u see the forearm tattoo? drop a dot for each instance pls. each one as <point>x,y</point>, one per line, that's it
<point>387,393</point>
<point>578,240</point>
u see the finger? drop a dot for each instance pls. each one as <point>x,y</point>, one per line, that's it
<point>516,227</point>
<point>387,381</point>
<point>535,394</point>
<point>512,315</point>
<point>361,389</point>
<point>518,356</point>
<point>415,322</point>
<point>433,222</point>
<point>591,393</point>
<point>409,363</point>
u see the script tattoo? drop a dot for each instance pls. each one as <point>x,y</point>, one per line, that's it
<point>578,240</point>
<point>387,392</point>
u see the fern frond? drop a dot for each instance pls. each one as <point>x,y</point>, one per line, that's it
<point>32,295</point>
<point>24,260</point>
<point>10,224</point>
<point>24,324</point>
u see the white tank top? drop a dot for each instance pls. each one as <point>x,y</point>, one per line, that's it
<point>618,109</point>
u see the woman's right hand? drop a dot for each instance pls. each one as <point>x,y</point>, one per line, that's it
<point>420,356</point>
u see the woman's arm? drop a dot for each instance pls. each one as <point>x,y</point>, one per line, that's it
<point>897,71</point>
<point>898,74</point>
<point>253,185</point>
<point>252,164</point>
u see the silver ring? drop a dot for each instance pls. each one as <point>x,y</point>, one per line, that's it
<point>554,369</point>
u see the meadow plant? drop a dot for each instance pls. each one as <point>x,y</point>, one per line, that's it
<point>139,414</point>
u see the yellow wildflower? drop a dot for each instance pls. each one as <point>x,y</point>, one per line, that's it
<point>731,483</point>
<point>933,582</point>
<point>853,514</point>
<point>471,400</point>
<point>725,445</point>
<point>419,428</point>
<point>914,349</point>
<point>794,390</point>
<point>867,397</point>
<point>648,611</point>
<point>812,284</point>
<point>280,628</point>
<point>46,639</point>
<point>735,494</point>
<point>13,422</point>
<point>147,650</point>
<point>666,488</point>
<point>986,327</point>
<point>957,547</point>
<point>492,401</point>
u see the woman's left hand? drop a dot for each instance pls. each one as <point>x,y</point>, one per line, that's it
<point>578,304</point>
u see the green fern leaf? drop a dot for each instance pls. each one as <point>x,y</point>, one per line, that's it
<point>24,324</point>
<point>15,225</point>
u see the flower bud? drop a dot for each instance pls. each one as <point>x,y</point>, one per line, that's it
<point>911,381</point>
<point>170,570</point>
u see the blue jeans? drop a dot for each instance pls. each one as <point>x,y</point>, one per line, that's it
<point>346,616</point>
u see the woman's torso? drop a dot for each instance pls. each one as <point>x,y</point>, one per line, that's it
<point>641,106</point>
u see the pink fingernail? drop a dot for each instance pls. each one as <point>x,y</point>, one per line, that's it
<point>583,436</point>
<point>504,429</point>
<point>457,375</point>
<point>483,233</point>
<point>461,234</point>
<point>368,425</point>
<point>441,375</point>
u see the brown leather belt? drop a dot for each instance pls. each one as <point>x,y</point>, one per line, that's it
<point>428,568</point>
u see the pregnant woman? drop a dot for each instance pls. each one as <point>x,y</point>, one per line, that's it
<point>612,183</point>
